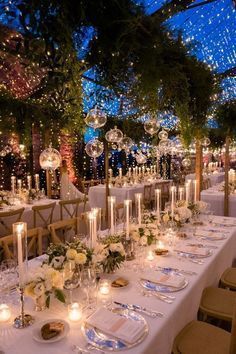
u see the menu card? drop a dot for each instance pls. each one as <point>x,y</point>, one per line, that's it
<point>175,281</point>
<point>115,325</point>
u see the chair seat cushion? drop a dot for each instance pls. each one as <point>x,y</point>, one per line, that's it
<point>218,303</point>
<point>228,278</point>
<point>202,338</point>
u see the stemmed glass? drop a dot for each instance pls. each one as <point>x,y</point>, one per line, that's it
<point>88,280</point>
<point>71,278</point>
<point>8,277</point>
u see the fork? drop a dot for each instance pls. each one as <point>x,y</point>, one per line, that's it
<point>158,296</point>
<point>193,260</point>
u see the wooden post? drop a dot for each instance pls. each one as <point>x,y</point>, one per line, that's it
<point>198,168</point>
<point>226,196</point>
<point>106,158</point>
<point>49,183</point>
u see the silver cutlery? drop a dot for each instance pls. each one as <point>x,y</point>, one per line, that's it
<point>191,258</point>
<point>159,296</point>
<point>79,350</point>
<point>140,309</point>
<point>177,270</point>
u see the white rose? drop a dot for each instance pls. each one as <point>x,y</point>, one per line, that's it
<point>57,262</point>
<point>166,218</point>
<point>143,241</point>
<point>80,258</point>
<point>71,254</point>
<point>135,235</point>
<point>39,289</point>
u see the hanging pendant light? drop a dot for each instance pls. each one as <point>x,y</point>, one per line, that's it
<point>140,158</point>
<point>163,135</point>
<point>94,148</point>
<point>50,159</point>
<point>205,141</point>
<point>151,126</point>
<point>126,143</point>
<point>114,135</point>
<point>96,118</point>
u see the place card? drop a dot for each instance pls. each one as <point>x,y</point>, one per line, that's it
<point>118,326</point>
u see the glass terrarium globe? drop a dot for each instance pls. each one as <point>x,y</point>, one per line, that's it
<point>96,118</point>
<point>151,126</point>
<point>186,162</point>
<point>205,141</point>
<point>140,158</point>
<point>163,135</point>
<point>114,135</point>
<point>94,148</point>
<point>50,159</point>
<point>126,143</point>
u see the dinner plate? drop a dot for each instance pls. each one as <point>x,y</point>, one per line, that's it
<point>37,331</point>
<point>147,284</point>
<point>103,341</point>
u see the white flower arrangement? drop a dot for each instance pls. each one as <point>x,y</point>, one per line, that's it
<point>144,235</point>
<point>43,282</point>
<point>182,214</point>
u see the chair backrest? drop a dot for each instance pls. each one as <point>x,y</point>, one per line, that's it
<point>233,333</point>
<point>34,243</point>
<point>85,186</point>
<point>70,208</point>
<point>165,188</point>
<point>120,212</point>
<point>147,193</point>
<point>43,214</point>
<point>63,230</point>
<point>7,218</point>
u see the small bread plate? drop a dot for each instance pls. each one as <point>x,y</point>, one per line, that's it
<point>37,331</point>
<point>119,283</point>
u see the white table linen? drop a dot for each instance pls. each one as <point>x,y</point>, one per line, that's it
<point>162,331</point>
<point>214,177</point>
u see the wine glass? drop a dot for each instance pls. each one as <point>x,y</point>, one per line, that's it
<point>8,277</point>
<point>88,280</point>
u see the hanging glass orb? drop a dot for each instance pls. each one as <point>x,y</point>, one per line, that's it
<point>3,153</point>
<point>50,159</point>
<point>163,135</point>
<point>151,126</point>
<point>96,118</point>
<point>114,135</point>
<point>126,143</point>
<point>94,148</point>
<point>114,146</point>
<point>140,158</point>
<point>8,149</point>
<point>186,162</point>
<point>205,141</point>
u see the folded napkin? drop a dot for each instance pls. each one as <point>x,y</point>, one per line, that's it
<point>117,326</point>
<point>208,234</point>
<point>172,280</point>
<point>195,250</point>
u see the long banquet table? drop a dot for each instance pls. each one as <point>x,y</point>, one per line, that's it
<point>162,331</point>
<point>214,178</point>
<point>215,199</point>
<point>97,194</point>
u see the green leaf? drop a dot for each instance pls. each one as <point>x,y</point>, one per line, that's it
<point>48,301</point>
<point>59,295</point>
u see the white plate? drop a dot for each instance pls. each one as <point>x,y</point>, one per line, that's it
<point>37,331</point>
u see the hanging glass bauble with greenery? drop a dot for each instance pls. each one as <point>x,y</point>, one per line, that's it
<point>205,141</point>
<point>114,135</point>
<point>186,162</point>
<point>50,159</point>
<point>96,118</point>
<point>126,143</point>
<point>140,158</point>
<point>151,126</point>
<point>94,148</point>
<point>163,135</point>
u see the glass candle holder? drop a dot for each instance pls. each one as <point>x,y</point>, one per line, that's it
<point>5,313</point>
<point>74,312</point>
<point>104,287</point>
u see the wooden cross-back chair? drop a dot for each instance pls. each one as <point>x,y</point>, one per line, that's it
<point>206,183</point>
<point>34,243</point>
<point>7,218</point>
<point>70,208</point>
<point>147,195</point>
<point>43,215</point>
<point>62,231</point>
<point>120,213</point>
<point>165,192</point>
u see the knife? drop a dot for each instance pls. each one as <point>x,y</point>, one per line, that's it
<point>182,271</point>
<point>140,309</point>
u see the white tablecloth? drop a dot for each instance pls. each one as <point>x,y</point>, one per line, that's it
<point>162,331</point>
<point>216,200</point>
<point>97,194</point>
<point>214,177</point>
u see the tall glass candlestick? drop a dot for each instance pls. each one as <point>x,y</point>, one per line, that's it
<point>187,193</point>
<point>36,176</point>
<point>138,202</point>
<point>181,193</point>
<point>158,203</point>
<point>29,182</point>
<point>128,213</point>
<point>173,197</point>
<point>13,184</point>
<point>112,213</point>
<point>20,251</point>
<point>19,185</point>
<point>195,190</point>
<point>120,172</point>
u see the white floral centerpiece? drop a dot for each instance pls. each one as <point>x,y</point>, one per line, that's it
<point>109,254</point>
<point>144,235</point>
<point>232,187</point>
<point>198,207</point>
<point>182,215</point>
<point>43,282</point>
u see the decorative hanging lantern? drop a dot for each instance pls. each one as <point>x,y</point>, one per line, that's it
<point>186,162</point>
<point>163,135</point>
<point>94,148</point>
<point>50,159</point>
<point>151,126</point>
<point>126,143</point>
<point>140,158</point>
<point>96,118</point>
<point>205,141</point>
<point>114,135</point>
